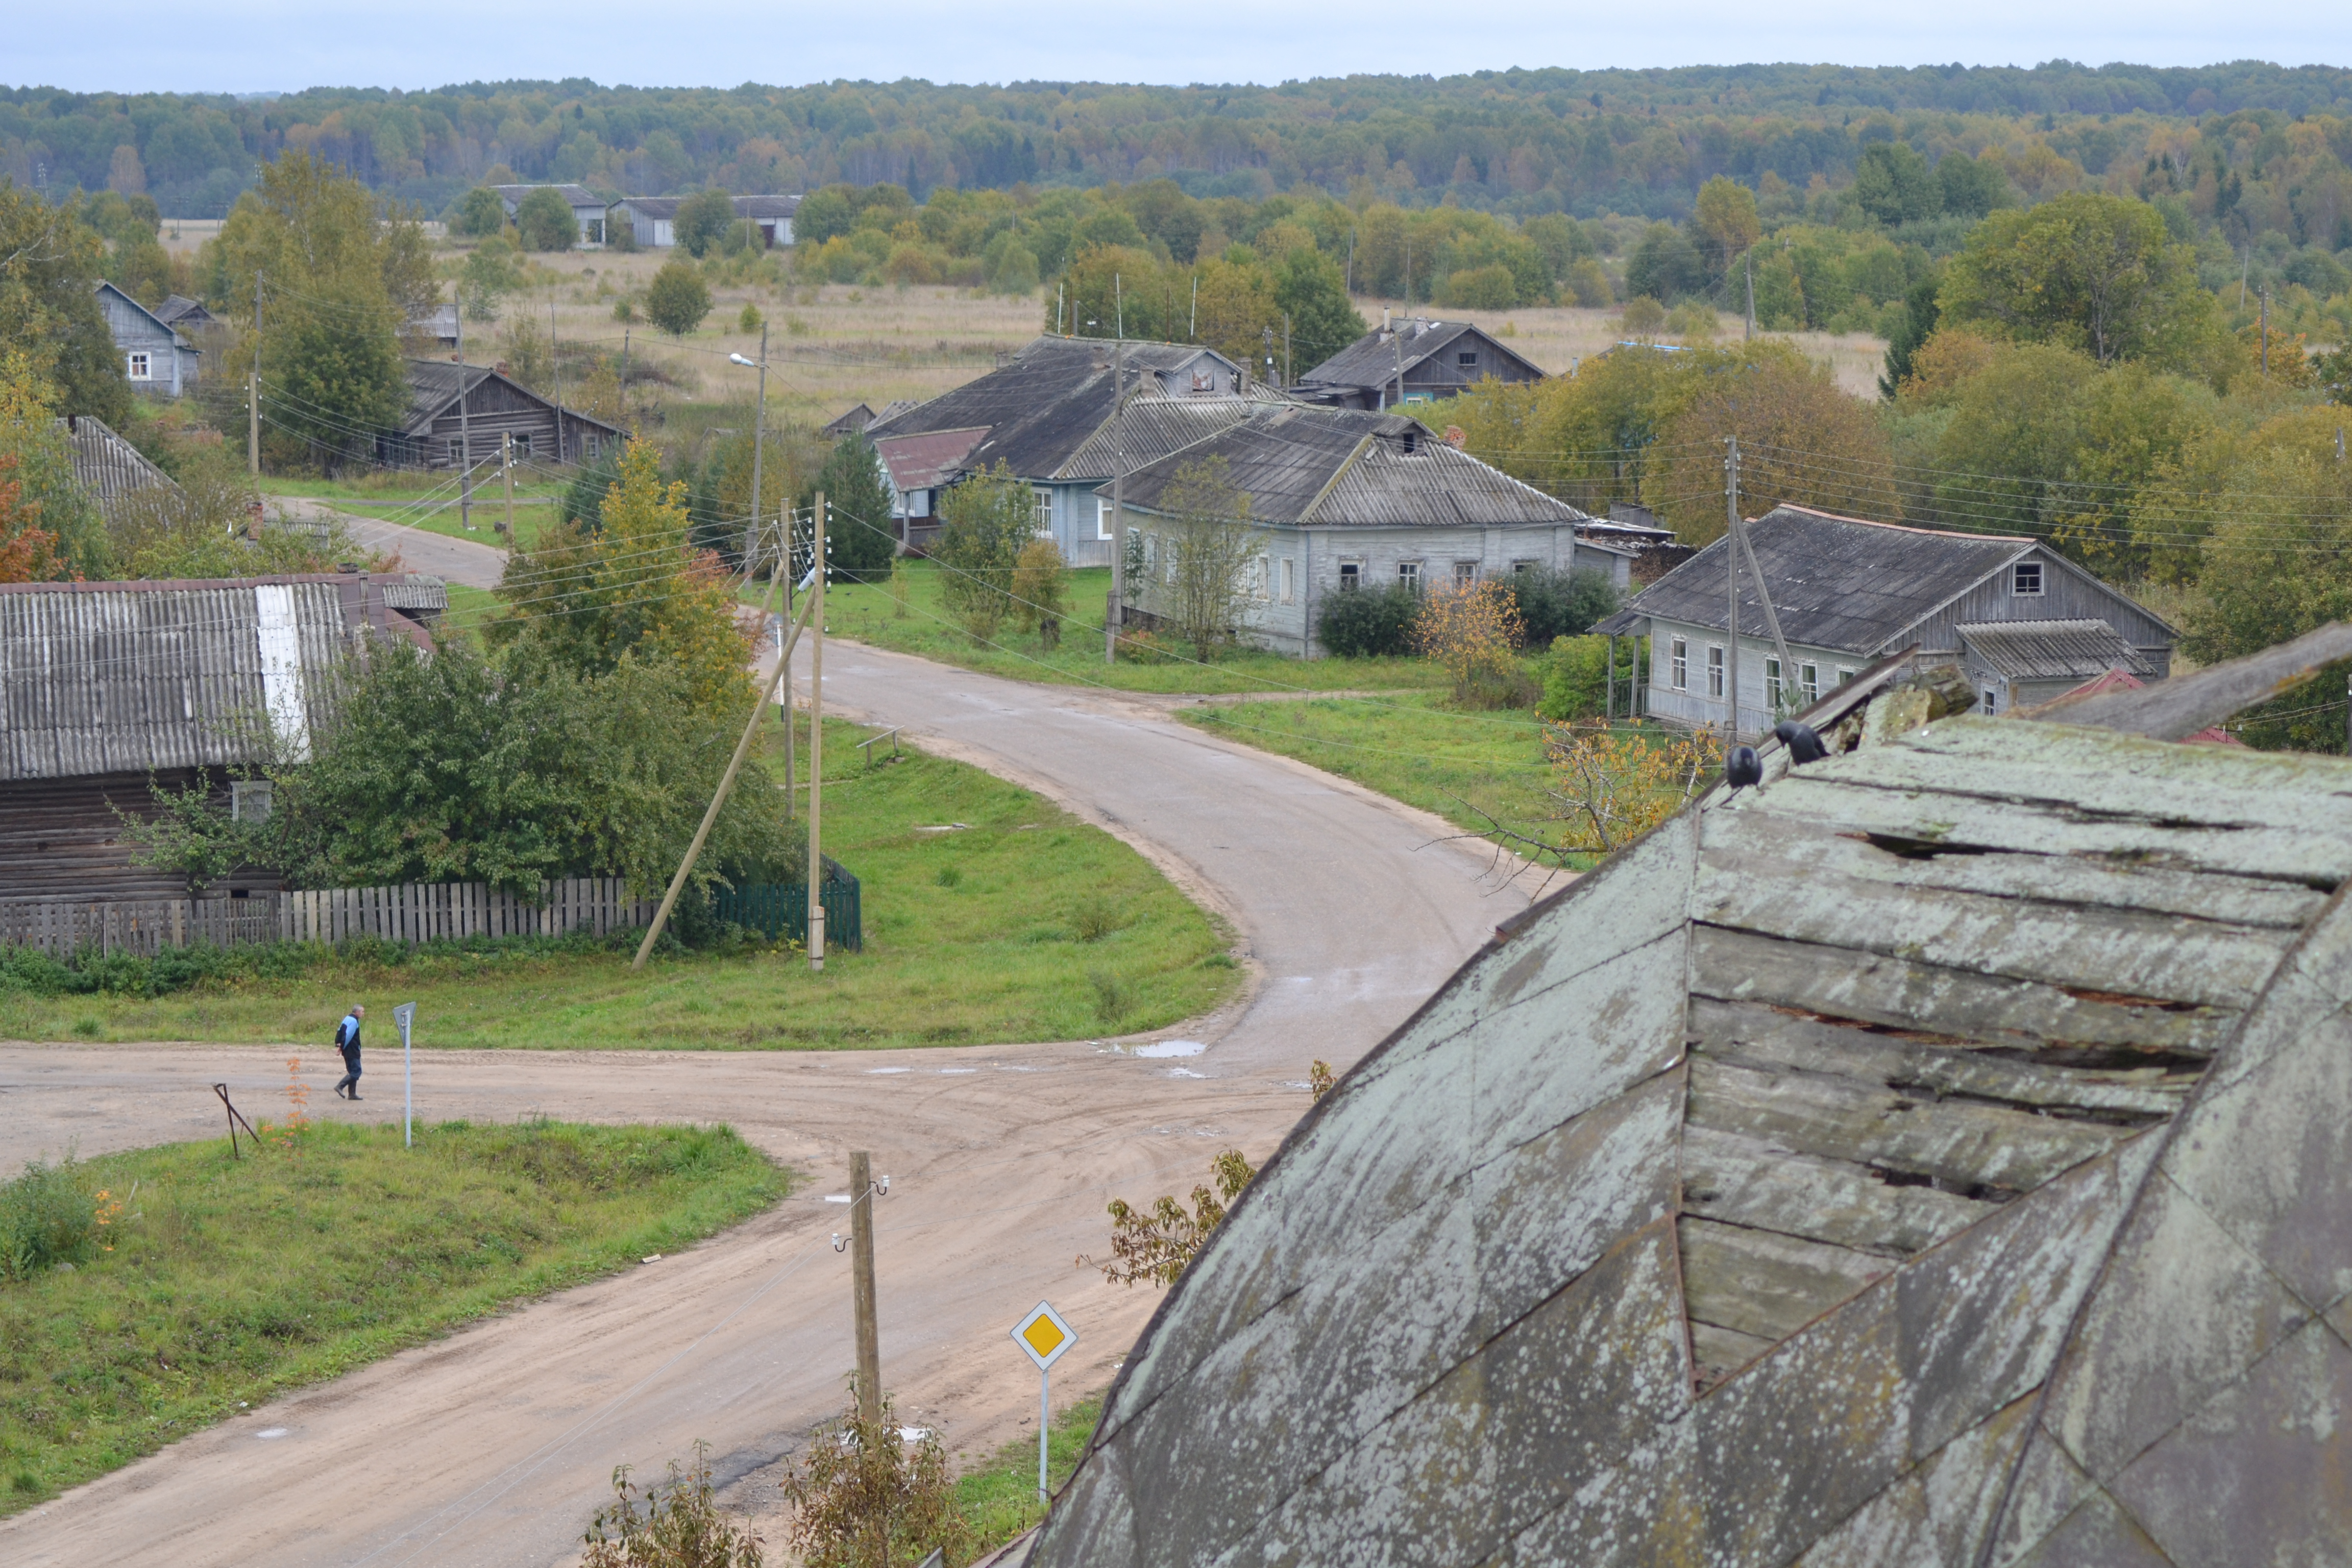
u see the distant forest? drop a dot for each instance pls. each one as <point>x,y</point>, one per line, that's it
<point>1518,143</point>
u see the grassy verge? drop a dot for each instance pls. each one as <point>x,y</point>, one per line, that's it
<point>427,502</point>
<point>868,613</point>
<point>229,1281</point>
<point>1021,924</point>
<point>1412,748</point>
<point>1000,1498</point>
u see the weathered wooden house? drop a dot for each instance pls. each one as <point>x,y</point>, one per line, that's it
<point>1413,361</point>
<point>156,360</point>
<point>2026,623</point>
<point>495,405</point>
<point>105,686</point>
<point>1340,499</point>
<point>587,208</point>
<point>1937,1157</point>
<point>1043,414</point>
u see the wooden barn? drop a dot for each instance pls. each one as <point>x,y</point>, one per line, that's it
<point>1413,361</point>
<point>437,429</point>
<point>106,686</point>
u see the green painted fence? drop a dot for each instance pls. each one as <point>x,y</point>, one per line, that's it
<point>781,909</point>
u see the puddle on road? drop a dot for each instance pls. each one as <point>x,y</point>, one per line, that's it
<point>1170,1048</point>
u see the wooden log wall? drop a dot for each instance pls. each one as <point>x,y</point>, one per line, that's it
<point>410,913</point>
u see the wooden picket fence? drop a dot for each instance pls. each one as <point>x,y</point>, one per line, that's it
<point>410,913</point>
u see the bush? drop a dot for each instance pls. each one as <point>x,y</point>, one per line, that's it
<point>681,1526</point>
<point>478,214</point>
<point>46,1218</point>
<point>863,1496</point>
<point>678,299</point>
<point>1575,676</point>
<point>701,219</point>
<point>544,220</point>
<point>1481,288</point>
<point>1555,604</point>
<point>1363,623</point>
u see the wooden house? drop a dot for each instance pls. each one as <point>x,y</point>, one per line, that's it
<point>2025,622</point>
<point>1342,500</point>
<point>105,686</point>
<point>156,360</point>
<point>1043,414</point>
<point>1413,361</point>
<point>182,314</point>
<point>587,208</point>
<point>1935,1158</point>
<point>438,425</point>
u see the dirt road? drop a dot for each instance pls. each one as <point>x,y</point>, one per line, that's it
<point>493,1446</point>
<point>420,550</point>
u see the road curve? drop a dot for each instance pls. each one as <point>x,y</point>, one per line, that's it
<point>493,1446</point>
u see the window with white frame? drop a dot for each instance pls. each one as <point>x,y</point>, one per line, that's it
<point>1150,553</point>
<point>248,800</point>
<point>1772,689</point>
<point>139,367</point>
<point>1044,510</point>
<point>1351,575</point>
<point>595,444</point>
<point>1465,573</point>
<point>1991,701</point>
<point>1409,574</point>
<point>1261,578</point>
<point>1845,672</point>
<point>1102,518</point>
<point>1289,580</point>
<point>1715,669</point>
<point>1678,664</point>
<point>2025,579</point>
<point>1809,683</point>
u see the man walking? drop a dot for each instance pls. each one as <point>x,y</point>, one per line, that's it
<point>347,1040</point>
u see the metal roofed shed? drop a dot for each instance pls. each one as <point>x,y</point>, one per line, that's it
<point>1939,1154</point>
<point>1433,359</point>
<point>2038,661</point>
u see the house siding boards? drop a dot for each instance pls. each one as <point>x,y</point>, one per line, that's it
<point>1849,590</point>
<point>1364,375</point>
<point>155,359</point>
<point>494,406</point>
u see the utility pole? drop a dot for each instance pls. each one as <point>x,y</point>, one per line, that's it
<point>625,375</point>
<point>253,388</point>
<point>759,445</point>
<point>555,369</point>
<point>1192,322</point>
<point>1750,259</point>
<point>1115,612</point>
<point>861,1266</point>
<point>466,432</point>
<point>506,472</point>
<point>816,613</point>
<point>1731,574</point>
<point>1397,338</point>
<point>1057,309</point>
<point>2266,329</point>
<point>785,522</point>
<point>1736,535</point>
<point>1118,303</point>
<point>1285,348</point>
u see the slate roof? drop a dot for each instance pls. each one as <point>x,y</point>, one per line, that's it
<point>119,676</point>
<point>108,467</point>
<point>1346,467</point>
<point>651,207</point>
<point>1156,426</point>
<point>766,206</point>
<point>1041,406</point>
<point>1937,1156</point>
<point>432,386</point>
<point>1837,582</point>
<point>2054,650</point>
<point>931,457</point>
<point>575,196</point>
<point>1372,358</point>
<point>178,310</point>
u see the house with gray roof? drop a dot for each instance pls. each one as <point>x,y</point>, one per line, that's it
<point>2026,623</point>
<point>1412,361</point>
<point>587,208</point>
<point>450,404</point>
<point>105,686</point>
<point>156,360</point>
<point>1340,499</point>
<point>1046,415</point>
<point>1933,1158</point>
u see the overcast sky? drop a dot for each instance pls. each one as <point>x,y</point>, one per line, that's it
<point>249,45</point>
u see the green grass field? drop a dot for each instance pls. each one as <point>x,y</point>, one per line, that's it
<point>427,502</point>
<point>868,613</point>
<point>1023,924</point>
<point>999,1498</point>
<point>231,1281</point>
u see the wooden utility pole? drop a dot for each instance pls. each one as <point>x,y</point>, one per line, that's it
<point>759,447</point>
<point>623,419</point>
<point>1749,259</point>
<point>555,370</point>
<point>817,752</point>
<point>1285,348</point>
<point>1115,612</point>
<point>861,1266</point>
<point>785,524</point>
<point>506,473</point>
<point>253,388</point>
<point>1739,548</point>
<point>466,432</point>
<point>1731,574</point>
<point>2266,329</point>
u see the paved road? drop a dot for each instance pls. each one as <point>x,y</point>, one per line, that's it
<point>492,1447</point>
<point>420,550</point>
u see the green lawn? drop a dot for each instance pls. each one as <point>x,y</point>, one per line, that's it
<point>427,502</point>
<point>1000,1498</point>
<point>1022,924</point>
<point>869,614</point>
<point>231,1281</point>
<point>1413,747</point>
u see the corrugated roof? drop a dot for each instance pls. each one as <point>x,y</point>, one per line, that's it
<point>766,206</point>
<point>1155,427</point>
<point>1040,407</point>
<point>573,196</point>
<point>651,207</point>
<point>932,457</point>
<point>2054,650</point>
<point>1372,358</point>
<point>1837,582</point>
<point>1934,1157</point>
<point>108,467</point>
<point>1346,467</point>
<point>179,307</point>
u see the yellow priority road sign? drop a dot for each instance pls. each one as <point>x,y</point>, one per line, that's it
<point>1044,1335</point>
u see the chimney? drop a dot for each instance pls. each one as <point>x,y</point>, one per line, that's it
<point>1384,318</point>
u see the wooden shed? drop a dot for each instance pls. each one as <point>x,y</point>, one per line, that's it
<point>495,405</point>
<point>105,686</point>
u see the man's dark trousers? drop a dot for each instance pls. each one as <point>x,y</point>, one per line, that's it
<point>351,1079</point>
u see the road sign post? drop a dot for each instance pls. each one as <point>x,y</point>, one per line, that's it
<point>404,1015</point>
<point>1044,1337</point>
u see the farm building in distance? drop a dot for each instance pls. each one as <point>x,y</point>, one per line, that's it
<point>435,435</point>
<point>2025,622</point>
<point>1339,501</point>
<point>1432,360</point>
<point>156,359</point>
<point>652,220</point>
<point>104,686</point>
<point>1936,1156</point>
<point>587,208</point>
